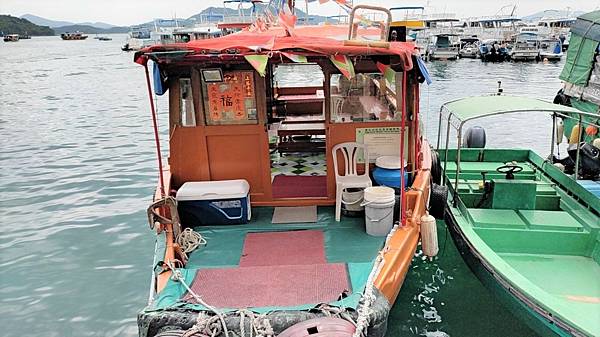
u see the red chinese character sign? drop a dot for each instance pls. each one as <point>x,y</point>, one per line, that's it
<point>232,101</point>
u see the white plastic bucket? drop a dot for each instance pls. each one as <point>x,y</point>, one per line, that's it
<point>379,210</point>
<point>352,199</point>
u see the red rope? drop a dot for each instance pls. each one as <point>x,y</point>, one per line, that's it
<point>156,139</point>
<point>402,169</point>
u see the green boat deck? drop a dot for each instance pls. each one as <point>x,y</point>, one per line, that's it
<point>540,232</point>
<point>345,242</point>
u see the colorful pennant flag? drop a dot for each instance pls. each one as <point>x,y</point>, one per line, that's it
<point>259,62</point>
<point>344,64</point>
<point>388,73</point>
<point>287,19</point>
<point>296,58</point>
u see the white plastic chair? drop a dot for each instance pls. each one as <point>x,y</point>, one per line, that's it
<point>351,178</point>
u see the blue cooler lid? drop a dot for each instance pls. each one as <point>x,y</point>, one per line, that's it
<point>213,190</point>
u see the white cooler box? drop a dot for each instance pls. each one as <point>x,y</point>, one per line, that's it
<point>205,203</point>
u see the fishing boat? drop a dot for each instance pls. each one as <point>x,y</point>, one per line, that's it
<point>493,51</point>
<point>73,36</point>
<point>528,230</point>
<point>443,46</point>
<point>526,46</point>
<point>469,47</point>
<point>11,38</point>
<point>248,219</point>
<point>550,49</point>
<point>138,38</point>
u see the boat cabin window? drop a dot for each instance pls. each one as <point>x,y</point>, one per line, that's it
<point>364,98</point>
<point>188,115</point>
<point>229,97</point>
<point>298,75</point>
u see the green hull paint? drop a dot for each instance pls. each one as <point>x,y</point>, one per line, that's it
<point>540,256</point>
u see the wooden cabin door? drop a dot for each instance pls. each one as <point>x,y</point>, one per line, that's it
<point>237,145</point>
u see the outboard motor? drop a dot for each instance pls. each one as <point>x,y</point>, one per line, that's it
<point>589,160</point>
<point>474,137</point>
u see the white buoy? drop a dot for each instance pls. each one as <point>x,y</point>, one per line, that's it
<point>429,240</point>
<point>560,131</point>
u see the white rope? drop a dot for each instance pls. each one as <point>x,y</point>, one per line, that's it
<point>201,319</point>
<point>365,311</point>
<point>189,240</point>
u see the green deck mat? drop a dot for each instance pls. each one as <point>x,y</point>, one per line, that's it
<point>345,242</point>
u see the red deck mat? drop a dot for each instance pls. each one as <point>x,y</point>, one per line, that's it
<point>283,248</point>
<point>299,186</point>
<point>267,286</point>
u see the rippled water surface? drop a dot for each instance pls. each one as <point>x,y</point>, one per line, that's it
<point>78,170</point>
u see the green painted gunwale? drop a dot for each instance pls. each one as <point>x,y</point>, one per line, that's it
<point>537,263</point>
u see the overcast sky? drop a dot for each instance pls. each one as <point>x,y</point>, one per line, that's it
<point>128,12</point>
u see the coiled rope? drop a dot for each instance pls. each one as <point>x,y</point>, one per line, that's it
<point>189,240</point>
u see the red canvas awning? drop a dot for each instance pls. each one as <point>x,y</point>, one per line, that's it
<point>324,40</point>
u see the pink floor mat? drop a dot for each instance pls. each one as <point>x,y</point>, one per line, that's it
<point>267,286</point>
<point>283,248</point>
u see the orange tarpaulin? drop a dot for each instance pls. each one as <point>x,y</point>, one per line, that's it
<point>325,40</point>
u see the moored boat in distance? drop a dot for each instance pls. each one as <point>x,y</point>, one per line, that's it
<point>469,47</point>
<point>443,46</point>
<point>73,36</point>
<point>11,38</point>
<point>493,51</point>
<point>526,45</point>
<point>550,49</point>
<point>258,262</point>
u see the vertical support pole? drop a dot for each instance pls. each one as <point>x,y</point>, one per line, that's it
<point>578,147</point>
<point>402,168</point>
<point>553,135</point>
<point>437,146</point>
<point>459,136</point>
<point>446,150</point>
<point>156,139</point>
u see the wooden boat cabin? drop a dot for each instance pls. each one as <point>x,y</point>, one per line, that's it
<point>254,118</point>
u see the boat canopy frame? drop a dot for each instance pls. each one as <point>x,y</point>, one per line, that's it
<point>462,110</point>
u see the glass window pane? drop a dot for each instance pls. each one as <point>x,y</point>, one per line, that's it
<point>188,114</point>
<point>365,98</point>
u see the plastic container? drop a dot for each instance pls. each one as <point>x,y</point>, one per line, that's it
<point>387,171</point>
<point>352,199</point>
<point>379,202</point>
<point>204,203</point>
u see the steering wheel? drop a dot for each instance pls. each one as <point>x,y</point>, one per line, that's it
<point>510,170</point>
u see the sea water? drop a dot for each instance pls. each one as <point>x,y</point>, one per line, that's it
<point>78,169</point>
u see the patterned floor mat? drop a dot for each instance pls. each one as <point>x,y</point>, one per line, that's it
<point>302,164</point>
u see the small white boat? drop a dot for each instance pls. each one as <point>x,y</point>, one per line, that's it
<point>526,45</point>
<point>469,47</point>
<point>551,49</point>
<point>442,47</point>
<point>11,38</point>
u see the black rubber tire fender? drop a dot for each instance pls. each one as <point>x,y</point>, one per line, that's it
<point>436,168</point>
<point>438,201</point>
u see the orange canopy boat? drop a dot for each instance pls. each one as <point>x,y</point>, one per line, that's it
<point>248,235</point>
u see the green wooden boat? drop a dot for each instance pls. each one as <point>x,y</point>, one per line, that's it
<point>530,232</point>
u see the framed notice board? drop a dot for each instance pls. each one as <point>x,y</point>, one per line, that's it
<point>383,141</point>
<point>231,101</point>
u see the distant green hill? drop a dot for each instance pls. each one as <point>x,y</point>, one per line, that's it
<point>90,30</point>
<point>13,25</point>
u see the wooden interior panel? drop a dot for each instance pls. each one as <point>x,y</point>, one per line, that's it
<point>188,155</point>
<point>241,156</point>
